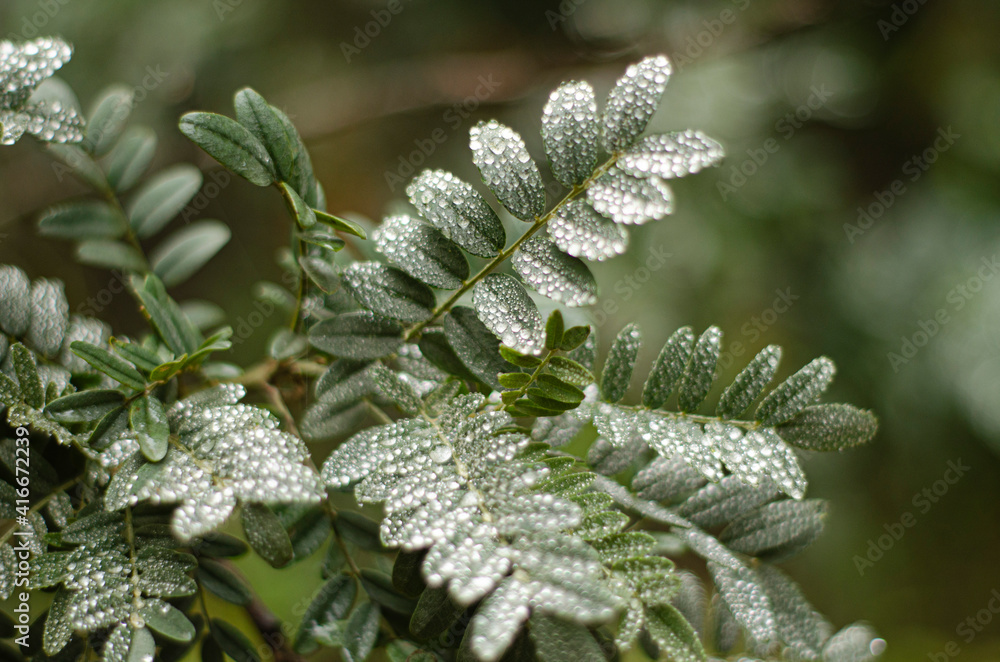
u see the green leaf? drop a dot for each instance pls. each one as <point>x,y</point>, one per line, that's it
<point>555,388</point>
<point>304,180</point>
<point>107,119</point>
<point>110,364</point>
<point>108,254</point>
<point>285,344</point>
<point>186,251</point>
<point>668,368</point>
<point>700,372</point>
<point>231,144</point>
<point>223,582</point>
<point>331,603</point>
<point>266,534</point>
<point>340,224</point>
<point>108,428</point>
<point>297,207</point>
<point>131,157</point>
<point>676,638</point>
<point>142,646</point>
<point>142,357</point>
<point>617,373</point>
<point>554,330</point>
<point>573,337</point>
<point>361,632</point>
<point>84,406</point>
<point>435,348</point>
<point>801,389</point>
<point>149,420</point>
<point>422,251</point>
<point>434,613</point>
<point>167,619</point>
<point>171,325</point>
<point>389,291</point>
<point>829,427</point>
<point>220,545</point>
<point>260,118</point>
<point>82,220</point>
<point>517,358</point>
<point>557,640</point>
<point>321,272</point>
<point>407,574</point>
<point>514,380</point>
<point>322,239</point>
<point>163,197</point>
<point>750,383</point>
<point>475,345</point>
<point>233,642</point>
<point>359,530</point>
<point>379,588</point>
<point>28,380</point>
<point>360,335</point>
<point>570,371</point>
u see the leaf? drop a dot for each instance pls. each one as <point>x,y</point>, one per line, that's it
<point>323,239</point>
<point>434,347</point>
<point>233,642</point>
<point>699,375</point>
<point>167,619</point>
<point>505,309</point>
<point>750,383</point>
<point>570,130</point>
<point>574,337</point>
<point>331,603</point>
<point>746,599</point>
<point>110,255</point>
<point>475,345</point>
<point>392,387</point>
<point>83,167</point>
<point>617,373</point>
<point>171,325</point>
<point>266,534</point>
<point>629,200</point>
<point>570,371</point>
<point>723,501</point>
<point>260,118</point>
<point>27,376</point>
<point>581,232</point>
<point>801,389</point>
<point>131,157</point>
<point>49,317</point>
<point>674,635</point>
<point>554,329</point>
<point>360,335</point>
<point>230,144</point>
<point>142,646</point>
<point>557,640</point>
<point>82,220</point>
<point>223,582</point>
<point>186,251</point>
<point>304,179</point>
<point>507,168</point>
<point>422,251</point>
<point>108,118</point>
<point>554,274</point>
<point>149,420</point>
<point>458,211</point>
<point>800,627</point>
<point>668,368</point>
<point>829,427</point>
<point>84,406</point>
<point>854,643</point>
<point>671,155</point>
<point>321,272</point>
<point>434,613</point>
<point>633,101</point>
<point>304,215</point>
<point>110,364</point>
<point>361,632</point>
<point>163,197</point>
<point>778,530</point>
<point>15,301</point>
<point>340,224</point>
<point>389,291</point>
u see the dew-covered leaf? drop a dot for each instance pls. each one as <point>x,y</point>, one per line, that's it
<point>49,317</point>
<point>15,301</point>
<point>580,231</point>
<point>458,211</point>
<point>749,383</point>
<point>570,130</point>
<point>475,345</point>
<point>508,169</point>
<point>829,427</point>
<point>616,376</point>
<point>629,200</point>
<point>777,530</point>
<point>795,393</point>
<point>674,635</point>
<point>389,291</point>
<point>671,155</point>
<point>422,251</point>
<point>552,273</point>
<point>854,643</point>
<point>633,101</point>
<point>723,501</point>
<point>557,640</point>
<point>506,309</point>
<point>668,368</point>
<point>266,535</point>
<point>699,375</point>
<point>360,335</point>
<point>747,601</point>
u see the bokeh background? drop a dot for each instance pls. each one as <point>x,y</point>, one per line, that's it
<point>861,182</point>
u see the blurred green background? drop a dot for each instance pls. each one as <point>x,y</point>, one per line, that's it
<point>861,184</point>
